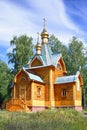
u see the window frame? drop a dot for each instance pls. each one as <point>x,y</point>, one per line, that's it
<point>38,90</point>
<point>64,92</point>
<point>59,66</point>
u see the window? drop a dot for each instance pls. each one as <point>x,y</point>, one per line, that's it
<point>58,66</point>
<point>38,91</point>
<point>64,92</point>
<point>23,78</point>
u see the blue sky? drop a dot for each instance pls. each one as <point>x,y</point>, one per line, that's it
<point>65,18</point>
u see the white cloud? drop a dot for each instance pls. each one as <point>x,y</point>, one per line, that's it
<point>15,20</point>
<point>55,12</point>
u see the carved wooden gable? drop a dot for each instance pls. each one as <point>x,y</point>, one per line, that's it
<point>61,65</point>
<point>36,62</point>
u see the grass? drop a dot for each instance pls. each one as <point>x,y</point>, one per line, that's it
<point>55,119</point>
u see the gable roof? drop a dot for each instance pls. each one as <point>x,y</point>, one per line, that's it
<point>39,57</point>
<point>34,77</point>
<point>46,57</point>
<point>30,75</point>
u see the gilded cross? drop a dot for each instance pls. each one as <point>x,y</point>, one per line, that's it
<point>44,22</point>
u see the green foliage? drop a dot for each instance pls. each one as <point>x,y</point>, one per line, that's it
<point>4,82</point>
<point>78,58</point>
<point>55,44</point>
<point>22,50</point>
<point>76,52</point>
<point>55,119</point>
<point>75,55</point>
<point>58,47</point>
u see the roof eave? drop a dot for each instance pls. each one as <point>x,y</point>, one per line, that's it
<point>64,83</point>
<point>37,81</point>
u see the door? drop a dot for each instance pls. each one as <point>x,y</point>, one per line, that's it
<point>23,90</point>
<point>23,94</point>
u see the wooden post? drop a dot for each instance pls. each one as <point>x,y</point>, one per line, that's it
<point>13,95</point>
<point>25,96</point>
<point>14,92</point>
<point>19,91</point>
<point>51,89</point>
<point>74,95</point>
<point>32,92</point>
<point>25,93</point>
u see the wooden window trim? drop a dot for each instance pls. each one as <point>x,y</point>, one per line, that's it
<point>38,91</point>
<point>58,66</point>
<point>64,92</point>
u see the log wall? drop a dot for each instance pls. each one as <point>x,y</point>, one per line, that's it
<point>61,100</point>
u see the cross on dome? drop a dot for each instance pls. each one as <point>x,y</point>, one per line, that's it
<point>44,22</point>
<point>44,34</point>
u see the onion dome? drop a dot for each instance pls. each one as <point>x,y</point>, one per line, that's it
<point>38,45</point>
<point>44,34</point>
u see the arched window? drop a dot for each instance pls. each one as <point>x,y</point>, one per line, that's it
<point>58,66</point>
<point>23,79</point>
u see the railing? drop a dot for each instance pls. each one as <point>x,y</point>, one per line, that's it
<point>16,101</point>
<point>9,104</point>
<point>22,104</point>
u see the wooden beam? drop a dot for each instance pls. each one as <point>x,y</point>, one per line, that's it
<point>51,88</point>
<point>14,92</point>
<point>32,92</point>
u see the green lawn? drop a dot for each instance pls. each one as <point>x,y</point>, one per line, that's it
<point>55,119</point>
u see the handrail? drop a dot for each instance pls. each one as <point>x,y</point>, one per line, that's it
<point>22,101</point>
<point>9,103</point>
<point>16,101</point>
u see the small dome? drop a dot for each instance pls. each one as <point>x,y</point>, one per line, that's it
<point>38,46</point>
<point>44,34</point>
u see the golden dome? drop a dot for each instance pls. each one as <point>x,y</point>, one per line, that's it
<point>38,46</point>
<point>44,34</point>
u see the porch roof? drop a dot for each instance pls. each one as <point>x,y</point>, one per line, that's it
<point>66,79</point>
<point>34,77</point>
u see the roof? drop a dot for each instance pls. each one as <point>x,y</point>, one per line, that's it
<point>46,54</point>
<point>40,57</point>
<point>33,76</point>
<point>66,79</point>
<point>26,66</point>
<point>55,58</point>
<point>46,57</point>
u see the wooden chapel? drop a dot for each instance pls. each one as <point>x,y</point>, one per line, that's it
<point>43,83</point>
